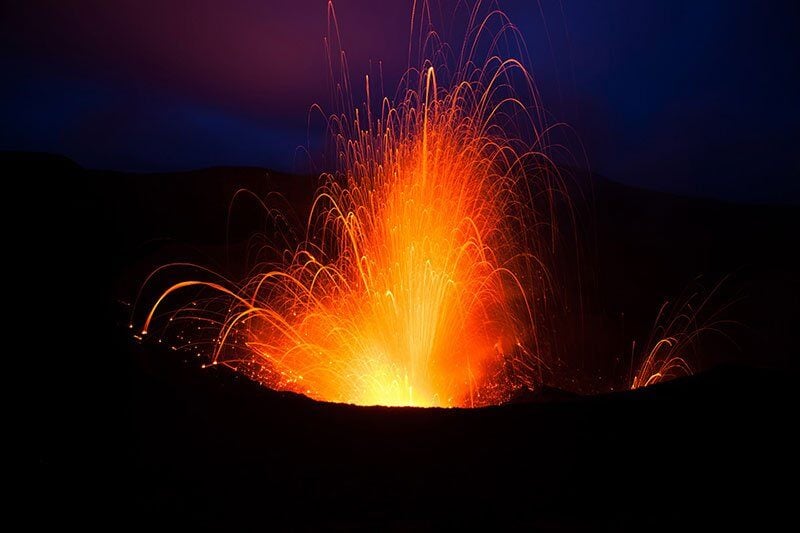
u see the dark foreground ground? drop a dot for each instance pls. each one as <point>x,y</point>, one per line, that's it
<point>126,434</point>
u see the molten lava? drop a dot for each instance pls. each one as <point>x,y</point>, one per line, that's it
<point>418,280</point>
<point>426,274</point>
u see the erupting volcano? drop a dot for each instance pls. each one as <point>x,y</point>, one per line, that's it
<point>474,274</point>
<point>425,276</point>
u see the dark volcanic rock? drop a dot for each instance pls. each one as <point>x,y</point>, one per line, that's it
<point>129,433</point>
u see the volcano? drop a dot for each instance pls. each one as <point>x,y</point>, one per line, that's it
<point>140,431</point>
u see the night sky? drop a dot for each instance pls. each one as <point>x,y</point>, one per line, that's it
<point>697,97</point>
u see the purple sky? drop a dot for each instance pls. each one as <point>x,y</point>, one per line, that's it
<point>695,97</point>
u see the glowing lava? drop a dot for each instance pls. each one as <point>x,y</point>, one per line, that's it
<point>674,337</point>
<point>422,274</point>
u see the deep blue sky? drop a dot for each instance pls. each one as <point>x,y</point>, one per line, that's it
<point>698,97</point>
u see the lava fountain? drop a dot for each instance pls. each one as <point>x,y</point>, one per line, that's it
<point>678,327</point>
<point>424,275</point>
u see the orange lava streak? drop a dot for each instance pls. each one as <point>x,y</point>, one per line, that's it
<point>661,364</point>
<point>417,281</point>
<point>678,327</point>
